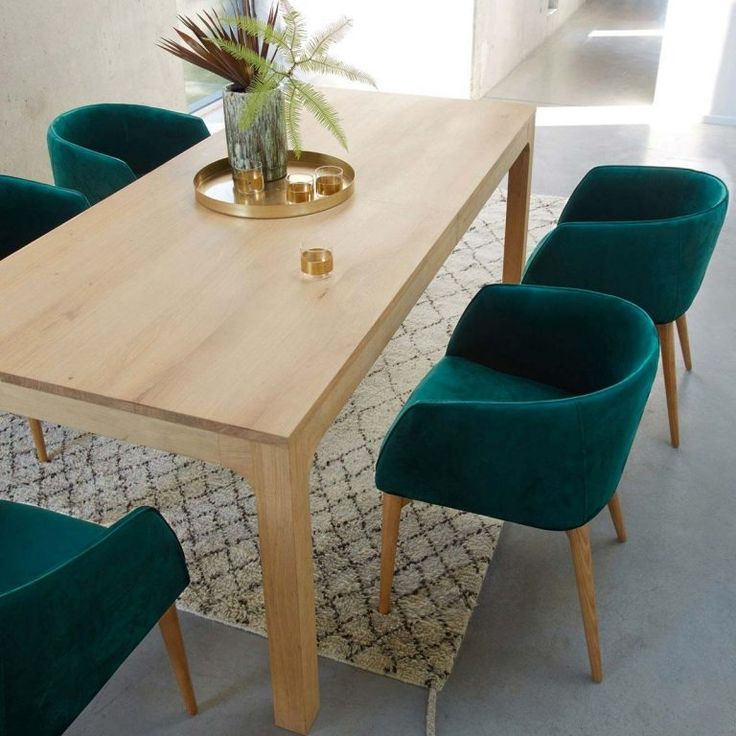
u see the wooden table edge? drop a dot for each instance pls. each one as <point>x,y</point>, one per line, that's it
<point>41,389</point>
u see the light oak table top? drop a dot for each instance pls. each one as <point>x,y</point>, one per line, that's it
<point>154,320</point>
<point>151,303</point>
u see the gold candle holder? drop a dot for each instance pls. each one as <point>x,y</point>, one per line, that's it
<point>299,188</point>
<point>316,263</point>
<point>328,180</point>
<point>249,181</point>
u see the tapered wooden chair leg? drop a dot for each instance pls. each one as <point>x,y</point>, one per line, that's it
<point>614,506</point>
<point>583,563</point>
<point>171,633</point>
<point>667,345</point>
<point>389,539</point>
<point>38,440</point>
<point>684,341</point>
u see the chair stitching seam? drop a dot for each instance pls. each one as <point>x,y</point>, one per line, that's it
<point>582,453</point>
<point>679,265</point>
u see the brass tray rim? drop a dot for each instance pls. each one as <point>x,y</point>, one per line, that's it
<point>280,210</point>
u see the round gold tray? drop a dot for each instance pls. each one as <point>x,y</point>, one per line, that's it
<point>214,188</point>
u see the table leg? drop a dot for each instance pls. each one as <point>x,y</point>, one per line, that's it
<point>280,476</point>
<point>517,216</point>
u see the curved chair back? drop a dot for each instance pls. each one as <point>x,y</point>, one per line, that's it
<point>98,149</point>
<point>75,599</point>
<point>644,233</point>
<point>29,209</point>
<point>552,463</point>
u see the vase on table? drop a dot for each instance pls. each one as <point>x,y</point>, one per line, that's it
<point>264,143</point>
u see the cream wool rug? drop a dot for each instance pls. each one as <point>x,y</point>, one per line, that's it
<point>443,554</point>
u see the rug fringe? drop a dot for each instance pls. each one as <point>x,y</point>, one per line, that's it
<point>431,711</point>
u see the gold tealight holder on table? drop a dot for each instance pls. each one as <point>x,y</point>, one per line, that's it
<point>316,262</point>
<point>328,180</point>
<point>299,188</point>
<point>249,181</point>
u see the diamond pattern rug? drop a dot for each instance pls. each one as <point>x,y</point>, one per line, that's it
<point>443,554</point>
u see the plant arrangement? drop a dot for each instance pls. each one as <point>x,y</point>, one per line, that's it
<point>262,56</point>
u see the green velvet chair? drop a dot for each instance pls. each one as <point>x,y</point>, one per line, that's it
<point>529,418</point>
<point>646,234</point>
<point>75,599</point>
<point>28,210</point>
<point>99,149</point>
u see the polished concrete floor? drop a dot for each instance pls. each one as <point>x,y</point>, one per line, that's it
<point>606,52</point>
<point>667,598</point>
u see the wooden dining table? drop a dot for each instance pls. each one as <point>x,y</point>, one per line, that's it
<point>154,320</point>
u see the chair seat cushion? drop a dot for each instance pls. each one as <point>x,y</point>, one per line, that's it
<point>34,541</point>
<point>458,379</point>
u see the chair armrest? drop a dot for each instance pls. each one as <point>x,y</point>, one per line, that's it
<point>30,209</point>
<point>95,174</point>
<point>519,462</point>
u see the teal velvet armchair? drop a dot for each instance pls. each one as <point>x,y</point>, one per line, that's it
<point>643,233</point>
<point>28,210</point>
<point>99,149</point>
<point>75,599</point>
<point>529,418</point>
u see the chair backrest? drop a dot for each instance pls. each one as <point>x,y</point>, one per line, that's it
<point>636,193</point>
<point>99,149</point>
<point>29,209</point>
<point>643,233</point>
<point>575,340</point>
<point>66,631</point>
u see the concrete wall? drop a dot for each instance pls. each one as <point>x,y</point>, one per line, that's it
<point>507,31</point>
<point>459,49</point>
<point>58,55</point>
<point>723,100</point>
<point>697,70</point>
<point>410,46</point>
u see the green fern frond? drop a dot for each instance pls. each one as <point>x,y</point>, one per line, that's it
<point>238,51</point>
<point>260,92</point>
<point>323,112</point>
<point>328,65</point>
<point>293,114</point>
<point>321,42</point>
<point>295,30</point>
<point>261,29</point>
